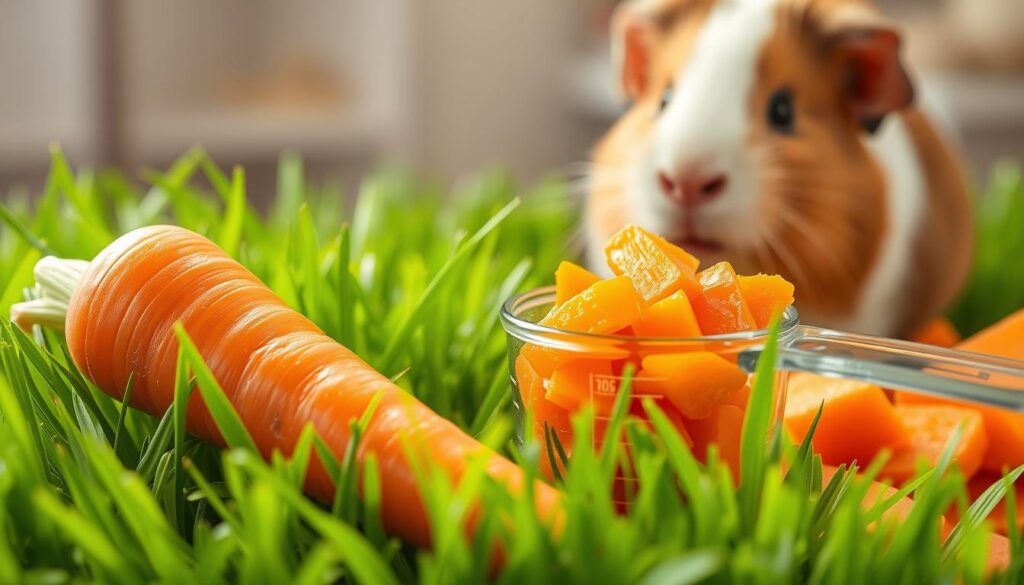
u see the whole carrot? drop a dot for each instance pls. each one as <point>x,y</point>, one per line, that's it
<point>277,368</point>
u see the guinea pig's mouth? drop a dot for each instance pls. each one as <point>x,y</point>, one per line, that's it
<point>698,246</point>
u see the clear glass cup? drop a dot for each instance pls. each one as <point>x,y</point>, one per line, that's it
<point>590,366</point>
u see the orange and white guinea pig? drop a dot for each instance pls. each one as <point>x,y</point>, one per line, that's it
<point>781,135</point>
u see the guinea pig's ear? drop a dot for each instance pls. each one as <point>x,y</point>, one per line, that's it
<point>867,49</point>
<point>633,32</point>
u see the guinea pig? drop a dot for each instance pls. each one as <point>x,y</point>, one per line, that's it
<point>781,135</point>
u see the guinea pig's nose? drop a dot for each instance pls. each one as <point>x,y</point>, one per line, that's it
<point>692,190</point>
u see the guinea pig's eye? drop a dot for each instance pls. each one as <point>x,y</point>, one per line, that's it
<point>666,97</point>
<point>781,114</point>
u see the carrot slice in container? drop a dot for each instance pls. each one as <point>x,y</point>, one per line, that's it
<point>636,253</point>
<point>723,428</point>
<point>571,279</point>
<point>532,393</point>
<point>766,295</point>
<point>720,307</point>
<point>929,429</point>
<point>683,259</point>
<point>740,398</point>
<point>696,383</point>
<point>670,317</point>
<point>581,382</point>
<point>1000,522</point>
<point>605,307</point>
<point>857,420</point>
<point>1004,428</point>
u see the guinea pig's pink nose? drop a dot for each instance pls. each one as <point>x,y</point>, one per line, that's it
<point>692,190</point>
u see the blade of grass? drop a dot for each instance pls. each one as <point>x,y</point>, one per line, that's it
<point>224,415</point>
<point>405,328</point>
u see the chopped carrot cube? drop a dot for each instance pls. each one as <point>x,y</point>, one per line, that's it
<point>767,295</point>
<point>670,317</point>
<point>1000,522</point>
<point>531,392</point>
<point>683,259</point>
<point>696,383</point>
<point>723,428</point>
<point>879,492</point>
<point>720,307</point>
<point>636,253</point>
<point>1004,428</point>
<point>677,420</point>
<point>929,429</point>
<point>578,382</point>
<point>857,420</point>
<point>572,279</point>
<point>740,398</point>
<point>604,307</point>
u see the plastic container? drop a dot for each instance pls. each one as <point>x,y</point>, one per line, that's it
<point>542,358</point>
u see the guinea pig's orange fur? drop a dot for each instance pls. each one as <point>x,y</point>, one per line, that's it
<point>822,201</point>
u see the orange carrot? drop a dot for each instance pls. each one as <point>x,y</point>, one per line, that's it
<point>670,317</point>
<point>572,279</point>
<point>767,295</point>
<point>696,383</point>
<point>1005,429</point>
<point>278,369</point>
<point>655,272</point>
<point>929,429</point>
<point>575,384</point>
<point>605,307</point>
<point>938,332</point>
<point>878,492</point>
<point>723,428</point>
<point>857,420</point>
<point>720,307</point>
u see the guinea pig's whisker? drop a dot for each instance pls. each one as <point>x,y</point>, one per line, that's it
<point>840,263</point>
<point>775,245</point>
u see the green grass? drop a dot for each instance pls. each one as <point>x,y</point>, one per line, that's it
<point>410,278</point>
<point>996,284</point>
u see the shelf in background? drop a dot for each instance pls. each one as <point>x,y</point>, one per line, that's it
<point>240,133</point>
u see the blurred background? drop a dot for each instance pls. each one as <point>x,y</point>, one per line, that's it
<point>447,86</point>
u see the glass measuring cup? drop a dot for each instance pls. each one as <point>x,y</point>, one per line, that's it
<point>890,363</point>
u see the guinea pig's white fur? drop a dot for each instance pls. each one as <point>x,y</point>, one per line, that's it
<point>706,124</point>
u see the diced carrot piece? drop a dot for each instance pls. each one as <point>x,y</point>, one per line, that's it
<point>767,295</point>
<point>635,253</point>
<point>740,398</point>
<point>929,429</point>
<point>696,383</point>
<point>938,332</point>
<point>683,259</point>
<point>723,428</point>
<point>636,408</point>
<point>531,392</point>
<point>1004,339</point>
<point>577,383</point>
<point>857,420</point>
<point>670,317</point>
<point>879,492</point>
<point>981,482</point>
<point>604,307</point>
<point>572,279</point>
<point>720,307</point>
<point>1005,429</point>
<point>999,554</point>
<point>677,420</point>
